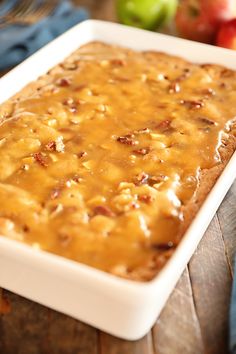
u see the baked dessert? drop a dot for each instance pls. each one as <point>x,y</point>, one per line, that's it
<point>107,158</point>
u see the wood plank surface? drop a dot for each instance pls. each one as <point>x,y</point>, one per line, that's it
<point>178,330</point>
<point>194,320</point>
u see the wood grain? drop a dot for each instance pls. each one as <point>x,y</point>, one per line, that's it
<point>31,328</point>
<point>112,345</point>
<point>227,221</point>
<point>211,283</point>
<point>177,330</point>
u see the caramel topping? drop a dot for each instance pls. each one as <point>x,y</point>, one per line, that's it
<point>98,162</point>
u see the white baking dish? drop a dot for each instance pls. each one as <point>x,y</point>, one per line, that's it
<point>123,308</point>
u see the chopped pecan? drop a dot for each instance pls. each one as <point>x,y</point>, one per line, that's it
<point>68,101</point>
<point>145,198</point>
<point>208,92</point>
<point>174,87</point>
<point>226,73</point>
<point>51,146</point>
<point>164,125</point>
<point>163,246</point>
<point>73,108</point>
<point>77,179</point>
<point>156,179</point>
<point>56,145</point>
<point>63,82</point>
<point>40,158</point>
<point>141,178</point>
<point>122,79</point>
<point>25,228</point>
<point>127,139</point>
<point>118,62</point>
<point>142,131</point>
<point>103,210</point>
<point>223,85</point>
<point>206,121</point>
<point>79,87</point>
<point>64,238</point>
<point>55,193</point>
<point>192,104</point>
<point>82,154</point>
<point>161,105</point>
<point>142,151</point>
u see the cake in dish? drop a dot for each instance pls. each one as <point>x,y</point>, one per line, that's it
<point>107,158</point>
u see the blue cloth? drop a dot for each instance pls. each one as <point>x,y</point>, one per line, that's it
<point>17,42</point>
<point>232,317</point>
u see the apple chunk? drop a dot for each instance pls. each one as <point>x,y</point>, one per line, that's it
<point>227,35</point>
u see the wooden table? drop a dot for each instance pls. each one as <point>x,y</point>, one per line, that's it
<point>194,320</point>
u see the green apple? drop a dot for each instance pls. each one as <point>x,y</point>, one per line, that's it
<point>146,14</point>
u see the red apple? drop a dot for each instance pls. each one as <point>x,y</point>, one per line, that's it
<point>200,19</point>
<point>226,36</point>
<point>219,10</point>
<point>192,21</point>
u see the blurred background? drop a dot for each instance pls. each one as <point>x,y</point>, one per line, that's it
<point>27,25</point>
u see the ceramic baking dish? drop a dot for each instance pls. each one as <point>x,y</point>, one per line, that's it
<point>121,307</point>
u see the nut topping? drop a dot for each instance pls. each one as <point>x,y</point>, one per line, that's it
<point>127,140</point>
<point>192,104</point>
<point>174,87</point>
<point>164,125</point>
<point>103,210</point>
<point>206,121</point>
<point>141,178</point>
<point>40,158</point>
<point>163,246</point>
<point>63,82</point>
<point>142,151</point>
<point>145,198</point>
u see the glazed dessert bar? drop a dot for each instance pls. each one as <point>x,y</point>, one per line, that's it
<point>107,158</point>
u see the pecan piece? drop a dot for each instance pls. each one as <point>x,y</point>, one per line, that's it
<point>64,239</point>
<point>192,104</point>
<point>141,178</point>
<point>142,131</point>
<point>73,108</point>
<point>56,145</point>
<point>103,210</point>
<point>77,179</point>
<point>163,246</point>
<point>156,179</point>
<point>206,121</point>
<point>68,101</point>
<point>55,193</point>
<point>40,158</point>
<point>63,82</point>
<point>127,140</point>
<point>145,198</point>
<point>208,92</point>
<point>82,154</point>
<point>164,125</point>
<point>118,62</point>
<point>51,146</point>
<point>174,87</point>
<point>226,73</point>
<point>142,151</point>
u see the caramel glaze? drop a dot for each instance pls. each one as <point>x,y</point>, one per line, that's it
<point>99,156</point>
